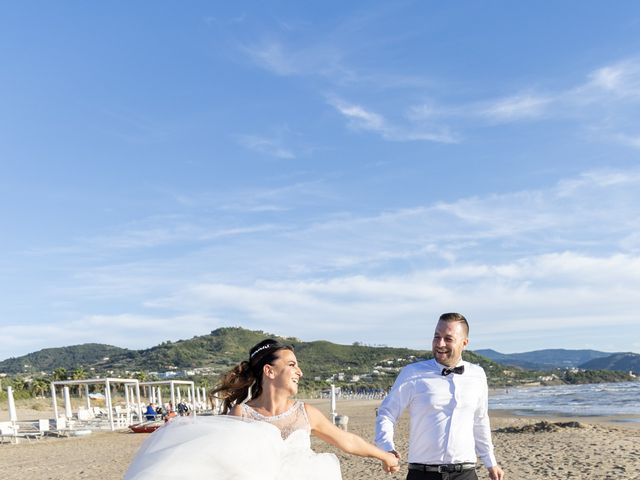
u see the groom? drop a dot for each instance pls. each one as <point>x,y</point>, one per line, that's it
<point>447,401</point>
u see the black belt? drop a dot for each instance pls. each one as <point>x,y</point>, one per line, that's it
<point>444,468</point>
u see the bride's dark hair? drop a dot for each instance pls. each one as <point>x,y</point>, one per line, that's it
<point>235,385</point>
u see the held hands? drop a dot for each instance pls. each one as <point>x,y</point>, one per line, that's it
<point>391,462</point>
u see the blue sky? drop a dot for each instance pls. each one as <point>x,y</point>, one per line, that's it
<point>326,171</point>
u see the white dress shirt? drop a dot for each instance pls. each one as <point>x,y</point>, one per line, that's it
<point>448,415</point>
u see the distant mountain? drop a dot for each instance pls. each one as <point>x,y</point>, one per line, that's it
<point>623,362</point>
<point>75,356</point>
<point>544,359</point>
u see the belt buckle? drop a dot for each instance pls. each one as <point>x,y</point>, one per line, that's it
<point>450,468</point>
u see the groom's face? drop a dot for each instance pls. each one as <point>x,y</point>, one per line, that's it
<point>449,340</point>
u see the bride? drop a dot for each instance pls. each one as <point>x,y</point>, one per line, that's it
<point>265,435</point>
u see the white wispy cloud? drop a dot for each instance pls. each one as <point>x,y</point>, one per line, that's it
<point>621,79</point>
<point>323,60</point>
<point>157,232</point>
<point>360,118</point>
<point>627,139</point>
<point>517,107</point>
<point>604,102</point>
<point>266,145</point>
<point>271,55</point>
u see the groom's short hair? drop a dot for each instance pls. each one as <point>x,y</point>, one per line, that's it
<point>455,317</point>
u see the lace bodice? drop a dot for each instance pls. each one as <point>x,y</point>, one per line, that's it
<point>295,418</point>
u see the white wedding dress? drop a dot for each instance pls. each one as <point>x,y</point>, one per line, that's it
<point>234,448</point>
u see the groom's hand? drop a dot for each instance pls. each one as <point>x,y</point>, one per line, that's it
<point>393,464</point>
<point>496,473</point>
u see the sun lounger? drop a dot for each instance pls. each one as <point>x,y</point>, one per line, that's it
<point>13,433</point>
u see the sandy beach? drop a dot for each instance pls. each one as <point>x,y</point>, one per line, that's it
<point>598,448</point>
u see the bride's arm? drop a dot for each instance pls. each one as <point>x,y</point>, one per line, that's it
<point>347,442</point>
<point>236,411</point>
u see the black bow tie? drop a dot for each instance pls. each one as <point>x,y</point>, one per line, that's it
<point>447,371</point>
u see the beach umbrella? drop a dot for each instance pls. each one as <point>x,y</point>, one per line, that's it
<point>67,403</point>
<point>173,396</point>
<point>333,402</point>
<point>127,401</point>
<point>13,416</point>
<point>86,393</point>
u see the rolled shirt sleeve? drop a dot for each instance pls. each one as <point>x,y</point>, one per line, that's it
<point>482,430</point>
<point>390,410</point>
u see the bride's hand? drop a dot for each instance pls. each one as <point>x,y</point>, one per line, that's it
<point>391,462</point>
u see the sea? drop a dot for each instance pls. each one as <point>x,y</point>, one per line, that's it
<point>601,399</point>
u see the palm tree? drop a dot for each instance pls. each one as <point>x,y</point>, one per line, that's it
<point>59,374</point>
<point>79,374</point>
<point>18,384</point>
<point>39,386</point>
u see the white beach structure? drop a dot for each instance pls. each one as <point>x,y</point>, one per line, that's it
<point>67,402</point>
<point>10,429</point>
<point>333,412</point>
<point>174,390</point>
<point>13,415</point>
<point>132,397</point>
<point>215,404</point>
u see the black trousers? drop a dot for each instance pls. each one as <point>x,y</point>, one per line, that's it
<point>418,475</point>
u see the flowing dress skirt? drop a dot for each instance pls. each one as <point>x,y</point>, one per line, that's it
<point>229,448</point>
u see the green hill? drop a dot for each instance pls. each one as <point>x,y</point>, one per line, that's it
<point>225,347</point>
<point>74,356</point>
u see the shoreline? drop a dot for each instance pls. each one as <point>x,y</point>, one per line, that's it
<point>632,421</point>
<point>27,414</point>
<point>629,420</point>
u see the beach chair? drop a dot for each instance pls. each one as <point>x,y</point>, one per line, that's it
<point>121,417</point>
<point>6,432</point>
<point>98,412</point>
<point>30,431</point>
<point>44,426</point>
<point>85,415</point>
<point>61,429</point>
<point>11,431</point>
